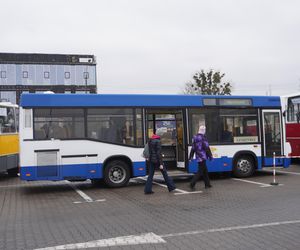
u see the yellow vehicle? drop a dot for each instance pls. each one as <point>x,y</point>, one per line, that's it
<point>9,138</point>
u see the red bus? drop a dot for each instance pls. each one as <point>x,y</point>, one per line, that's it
<point>292,117</point>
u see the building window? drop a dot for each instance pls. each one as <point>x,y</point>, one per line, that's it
<point>85,75</point>
<point>67,75</point>
<point>46,74</point>
<point>3,74</point>
<point>25,74</point>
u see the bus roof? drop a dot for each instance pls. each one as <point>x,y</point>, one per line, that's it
<point>139,100</point>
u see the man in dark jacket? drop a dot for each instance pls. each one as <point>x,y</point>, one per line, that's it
<point>200,147</point>
<point>155,161</point>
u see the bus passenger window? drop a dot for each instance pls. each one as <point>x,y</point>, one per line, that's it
<point>226,134</point>
<point>238,126</point>
<point>113,125</point>
<point>7,120</point>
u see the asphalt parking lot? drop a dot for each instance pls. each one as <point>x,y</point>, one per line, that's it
<point>234,214</point>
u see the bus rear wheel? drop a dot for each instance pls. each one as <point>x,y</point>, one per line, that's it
<point>243,166</point>
<point>116,174</point>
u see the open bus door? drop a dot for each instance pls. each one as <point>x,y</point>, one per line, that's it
<point>272,135</point>
<point>168,124</point>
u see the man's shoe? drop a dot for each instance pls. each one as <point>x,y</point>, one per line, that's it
<point>192,187</point>
<point>151,192</point>
<point>171,190</point>
<point>208,186</point>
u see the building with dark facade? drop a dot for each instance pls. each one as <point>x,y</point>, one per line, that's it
<point>60,73</point>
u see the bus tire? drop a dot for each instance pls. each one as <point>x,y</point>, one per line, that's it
<point>13,172</point>
<point>243,166</point>
<point>116,173</point>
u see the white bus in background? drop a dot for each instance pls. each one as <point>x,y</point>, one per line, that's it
<point>79,137</point>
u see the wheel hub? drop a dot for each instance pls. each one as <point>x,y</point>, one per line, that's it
<point>244,166</point>
<point>117,174</point>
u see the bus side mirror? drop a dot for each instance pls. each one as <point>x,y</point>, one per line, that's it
<point>284,113</point>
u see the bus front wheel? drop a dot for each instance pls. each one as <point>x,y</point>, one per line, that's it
<point>243,166</point>
<point>116,174</point>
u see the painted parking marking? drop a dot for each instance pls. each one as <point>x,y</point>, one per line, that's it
<point>147,238</point>
<point>83,195</point>
<point>280,171</point>
<point>236,228</point>
<point>193,192</point>
<point>79,202</point>
<point>254,182</point>
<point>151,238</point>
<point>177,191</point>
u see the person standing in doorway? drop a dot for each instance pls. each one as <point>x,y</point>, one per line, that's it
<point>200,148</point>
<point>155,161</point>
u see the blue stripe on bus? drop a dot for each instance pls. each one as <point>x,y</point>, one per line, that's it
<point>224,164</point>
<point>94,100</point>
<point>285,162</point>
<point>139,169</point>
<point>95,171</point>
<point>55,173</point>
<point>72,171</point>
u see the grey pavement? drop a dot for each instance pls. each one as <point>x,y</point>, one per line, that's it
<point>231,215</point>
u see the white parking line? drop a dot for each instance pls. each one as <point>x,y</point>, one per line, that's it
<point>253,182</point>
<point>179,191</point>
<point>148,238</point>
<point>82,194</point>
<point>224,229</point>
<point>193,192</point>
<point>151,238</point>
<point>280,171</point>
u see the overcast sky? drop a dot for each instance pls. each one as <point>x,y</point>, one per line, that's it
<point>156,46</point>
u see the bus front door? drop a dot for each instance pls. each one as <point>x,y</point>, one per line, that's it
<point>272,127</point>
<point>168,124</point>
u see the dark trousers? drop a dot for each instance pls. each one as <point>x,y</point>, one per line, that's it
<point>202,171</point>
<point>168,180</point>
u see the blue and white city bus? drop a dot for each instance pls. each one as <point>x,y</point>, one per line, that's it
<point>82,136</point>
